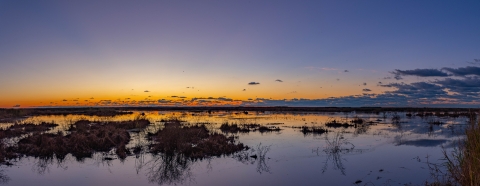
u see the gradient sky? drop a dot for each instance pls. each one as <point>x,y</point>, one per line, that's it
<point>301,53</point>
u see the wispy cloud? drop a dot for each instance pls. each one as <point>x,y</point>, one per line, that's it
<point>328,69</point>
<point>253,83</point>
<point>474,62</point>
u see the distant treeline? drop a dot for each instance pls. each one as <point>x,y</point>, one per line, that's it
<point>125,110</point>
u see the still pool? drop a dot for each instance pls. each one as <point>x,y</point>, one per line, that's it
<point>380,152</point>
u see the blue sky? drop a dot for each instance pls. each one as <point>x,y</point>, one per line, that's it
<point>331,51</point>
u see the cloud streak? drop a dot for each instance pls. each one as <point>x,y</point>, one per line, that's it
<point>464,71</point>
<point>419,72</point>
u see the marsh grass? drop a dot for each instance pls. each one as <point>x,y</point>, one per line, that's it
<point>15,131</point>
<point>312,130</point>
<point>463,163</point>
<point>81,140</point>
<point>333,123</point>
<point>192,141</point>
<point>246,128</point>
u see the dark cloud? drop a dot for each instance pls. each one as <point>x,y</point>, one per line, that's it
<point>417,90</point>
<point>419,72</point>
<point>16,106</point>
<point>146,91</point>
<point>386,99</point>
<point>469,87</point>
<point>253,83</point>
<point>463,71</point>
<point>345,71</point>
<point>364,84</point>
<point>278,80</point>
<point>366,90</point>
<point>244,89</point>
<point>64,100</point>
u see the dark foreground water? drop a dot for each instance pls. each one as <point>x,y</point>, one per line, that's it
<point>384,152</point>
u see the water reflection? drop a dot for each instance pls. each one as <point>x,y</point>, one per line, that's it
<point>423,142</point>
<point>4,179</point>
<point>410,132</point>
<point>169,169</point>
<point>334,149</point>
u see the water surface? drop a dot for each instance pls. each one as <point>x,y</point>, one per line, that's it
<point>383,152</point>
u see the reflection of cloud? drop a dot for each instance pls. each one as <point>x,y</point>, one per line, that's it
<point>278,80</point>
<point>253,83</point>
<point>423,142</point>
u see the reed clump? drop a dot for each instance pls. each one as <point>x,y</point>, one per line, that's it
<point>17,130</point>
<point>463,163</point>
<point>194,142</point>
<point>245,128</point>
<point>313,130</point>
<point>357,120</point>
<point>83,139</point>
<point>337,124</point>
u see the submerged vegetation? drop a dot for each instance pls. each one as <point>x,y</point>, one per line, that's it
<point>245,128</point>
<point>313,130</point>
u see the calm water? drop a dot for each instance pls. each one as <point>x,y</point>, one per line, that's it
<point>382,153</point>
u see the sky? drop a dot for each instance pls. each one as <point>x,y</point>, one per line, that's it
<point>240,53</point>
